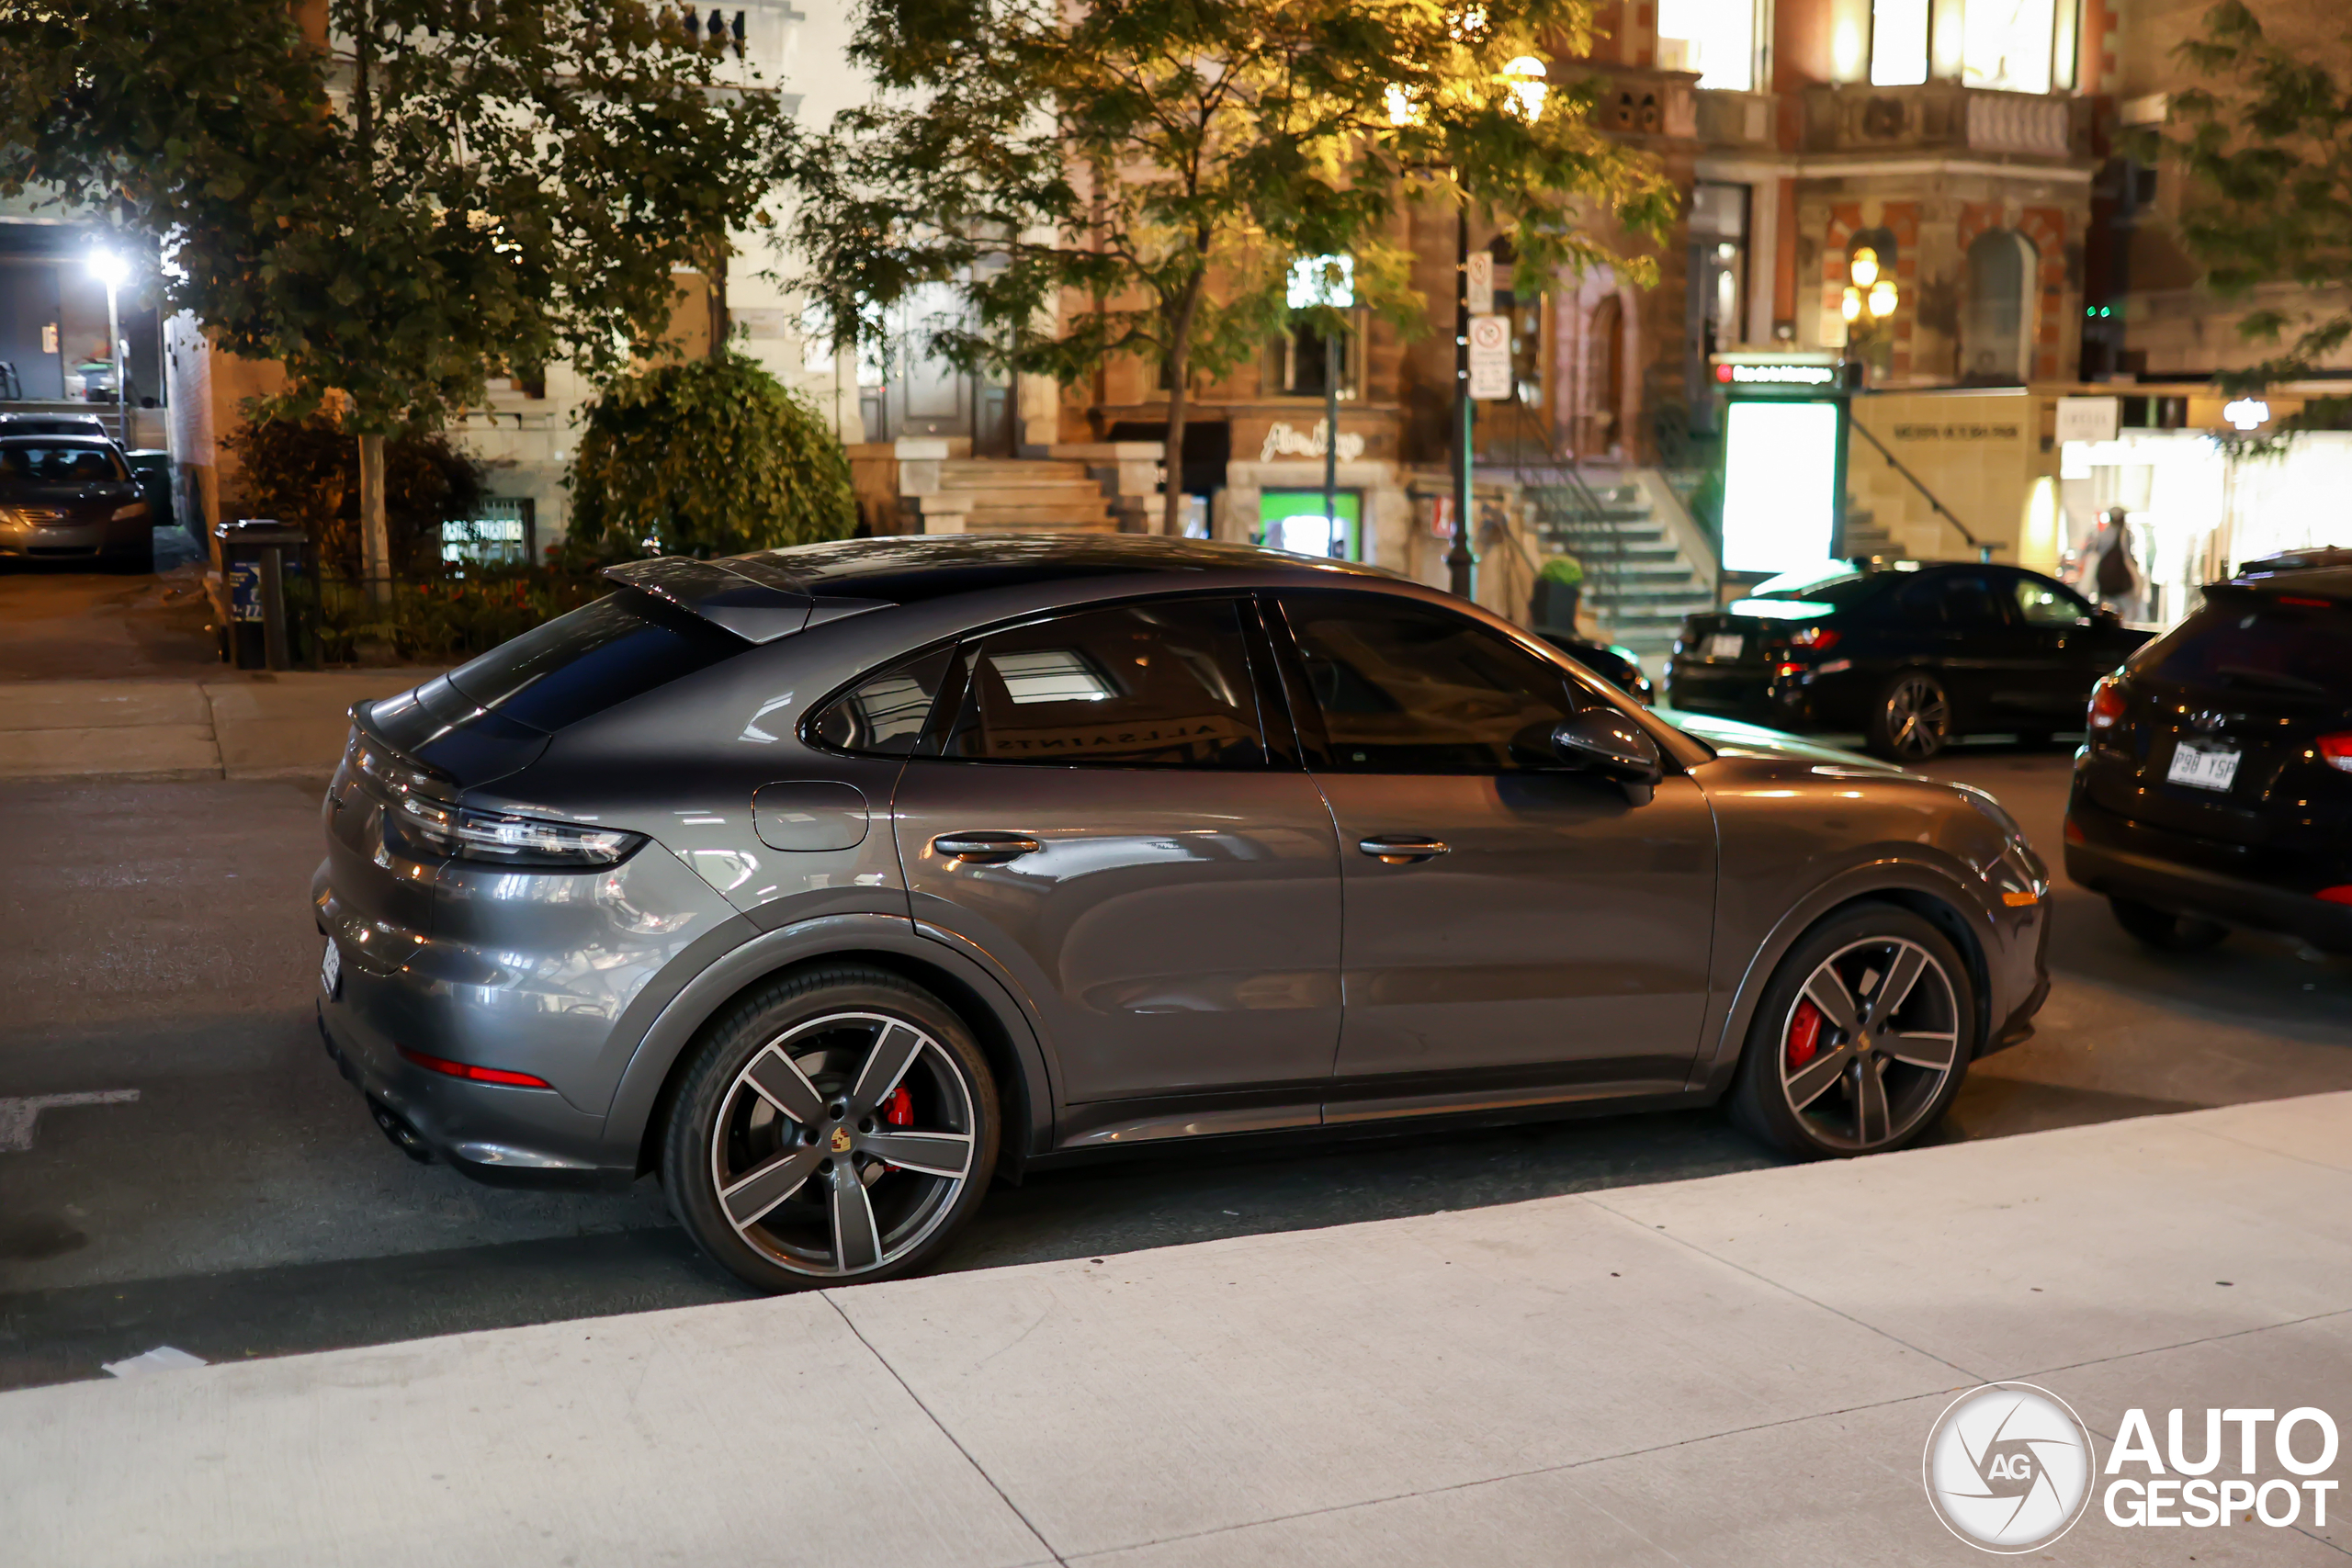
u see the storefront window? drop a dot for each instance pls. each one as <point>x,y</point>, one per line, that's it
<point>1898,43</point>
<point>1722,36</point>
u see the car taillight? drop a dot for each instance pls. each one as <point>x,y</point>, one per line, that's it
<point>467,834</point>
<point>2336,751</point>
<point>472,1074</point>
<point>1821,639</point>
<point>2106,704</point>
<point>2334,895</point>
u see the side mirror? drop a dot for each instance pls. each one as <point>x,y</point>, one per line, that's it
<point>2107,616</point>
<point>1608,742</point>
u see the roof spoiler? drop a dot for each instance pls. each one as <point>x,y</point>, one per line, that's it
<point>753,598</point>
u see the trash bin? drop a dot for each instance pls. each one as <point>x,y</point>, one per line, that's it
<point>259,559</point>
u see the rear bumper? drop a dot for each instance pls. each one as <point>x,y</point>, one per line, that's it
<point>1753,694</point>
<point>2132,860</point>
<point>494,1134</point>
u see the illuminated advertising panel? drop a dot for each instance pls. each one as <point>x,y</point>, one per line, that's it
<point>1780,484</point>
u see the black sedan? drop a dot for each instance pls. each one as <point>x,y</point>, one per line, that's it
<point>1914,654</point>
<point>2217,787</point>
<point>70,497</point>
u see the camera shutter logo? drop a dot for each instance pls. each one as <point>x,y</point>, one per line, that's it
<point>2008,1466</point>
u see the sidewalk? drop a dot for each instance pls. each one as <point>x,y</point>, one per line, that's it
<point>1733,1372</point>
<point>233,724</point>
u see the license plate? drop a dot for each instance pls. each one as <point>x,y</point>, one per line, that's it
<point>1726,645</point>
<point>2203,767</point>
<point>331,970</point>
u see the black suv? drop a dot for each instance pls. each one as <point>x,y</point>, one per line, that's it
<point>1914,654</point>
<point>2216,790</point>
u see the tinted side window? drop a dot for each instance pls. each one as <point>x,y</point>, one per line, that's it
<point>1155,685</point>
<point>2044,604</point>
<point>620,646</point>
<point>1968,602</point>
<point>1406,689</point>
<point>883,715</point>
<point>2257,645</point>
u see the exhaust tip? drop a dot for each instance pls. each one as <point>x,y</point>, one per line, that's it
<point>404,1137</point>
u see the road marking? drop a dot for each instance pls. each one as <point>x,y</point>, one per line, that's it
<point>18,1116</point>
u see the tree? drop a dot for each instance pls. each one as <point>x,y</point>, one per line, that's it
<point>306,473</point>
<point>713,457</point>
<point>1136,176</point>
<point>2267,148</point>
<point>487,188</point>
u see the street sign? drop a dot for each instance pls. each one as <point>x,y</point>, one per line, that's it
<point>1478,272</point>
<point>1490,377</point>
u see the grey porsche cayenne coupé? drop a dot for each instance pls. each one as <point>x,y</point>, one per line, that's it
<point>831,882</point>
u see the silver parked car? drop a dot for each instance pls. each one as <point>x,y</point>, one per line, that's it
<point>829,883</point>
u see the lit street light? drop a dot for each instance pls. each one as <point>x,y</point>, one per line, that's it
<point>113,271</point>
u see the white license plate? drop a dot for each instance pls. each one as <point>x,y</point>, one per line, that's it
<point>1726,645</point>
<point>331,970</point>
<point>2203,767</point>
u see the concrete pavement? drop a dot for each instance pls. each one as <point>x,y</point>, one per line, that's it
<point>1735,1371</point>
<point>238,725</point>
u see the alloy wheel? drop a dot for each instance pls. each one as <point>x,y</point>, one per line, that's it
<point>843,1144</point>
<point>1919,718</point>
<point>1869,1042</point>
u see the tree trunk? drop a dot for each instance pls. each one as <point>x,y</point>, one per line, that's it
<point>375,538</point>
<point>714,274</point>
<point>1180,359</point>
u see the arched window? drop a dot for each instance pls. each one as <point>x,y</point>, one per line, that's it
<point>1997,334</point>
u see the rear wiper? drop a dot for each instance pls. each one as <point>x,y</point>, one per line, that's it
<point>2270,678</point>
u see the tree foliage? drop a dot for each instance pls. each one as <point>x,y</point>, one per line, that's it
<point>709,457</point>
<point>306,473</point>
<point>1136,176</point>
<point>457,189</point>
<point>2267,144</point>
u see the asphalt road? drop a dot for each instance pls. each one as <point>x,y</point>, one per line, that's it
<point>156,938</point>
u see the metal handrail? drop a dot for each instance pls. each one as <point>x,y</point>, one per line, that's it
<point>1984,551</point>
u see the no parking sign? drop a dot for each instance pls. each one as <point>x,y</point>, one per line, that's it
<point>1490,377</point>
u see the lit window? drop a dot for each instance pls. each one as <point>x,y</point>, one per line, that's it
<point>2006,44</point>
<point>1899,41</point>
<point>501,534</point>
<point>1722,36</point>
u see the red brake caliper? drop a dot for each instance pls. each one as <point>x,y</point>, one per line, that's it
<point>1804,1034</point>
<point>899,1111</point>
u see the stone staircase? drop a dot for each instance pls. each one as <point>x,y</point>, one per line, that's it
<point>1011,495</point>
<point>1643,573</point>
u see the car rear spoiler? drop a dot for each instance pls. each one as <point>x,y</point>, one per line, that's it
<point>755,599</point>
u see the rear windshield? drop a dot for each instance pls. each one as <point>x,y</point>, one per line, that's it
<point>1847,588</point>
<point>2257,643</point>
<point>620,646</point>
<point>59,463</point>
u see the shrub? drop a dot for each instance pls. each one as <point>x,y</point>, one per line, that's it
<point>306,473</point>
<point>708,457</point>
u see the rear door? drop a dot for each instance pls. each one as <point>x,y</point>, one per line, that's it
<point>1104,819</point>
<point>1507,917</point>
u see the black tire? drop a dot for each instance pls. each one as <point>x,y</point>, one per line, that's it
<point>1910,719</point>
<point>2162,930</point>
<point>1803,1091</point>
<point>794,1222</point>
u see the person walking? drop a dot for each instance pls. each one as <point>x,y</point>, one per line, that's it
<point>2116,575</point>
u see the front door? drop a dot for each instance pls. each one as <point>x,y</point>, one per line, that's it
<point>1505,917</point>
<point>2073,646</point>
<point>1105,823</point>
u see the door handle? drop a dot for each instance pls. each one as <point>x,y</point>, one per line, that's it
<point>1402,848</point>
<point>985,849</point>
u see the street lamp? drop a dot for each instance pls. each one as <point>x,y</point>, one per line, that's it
<point>113,271</point>
<point>1872,292</point>
<point>1524,81</point>
<point>1330,282</point>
